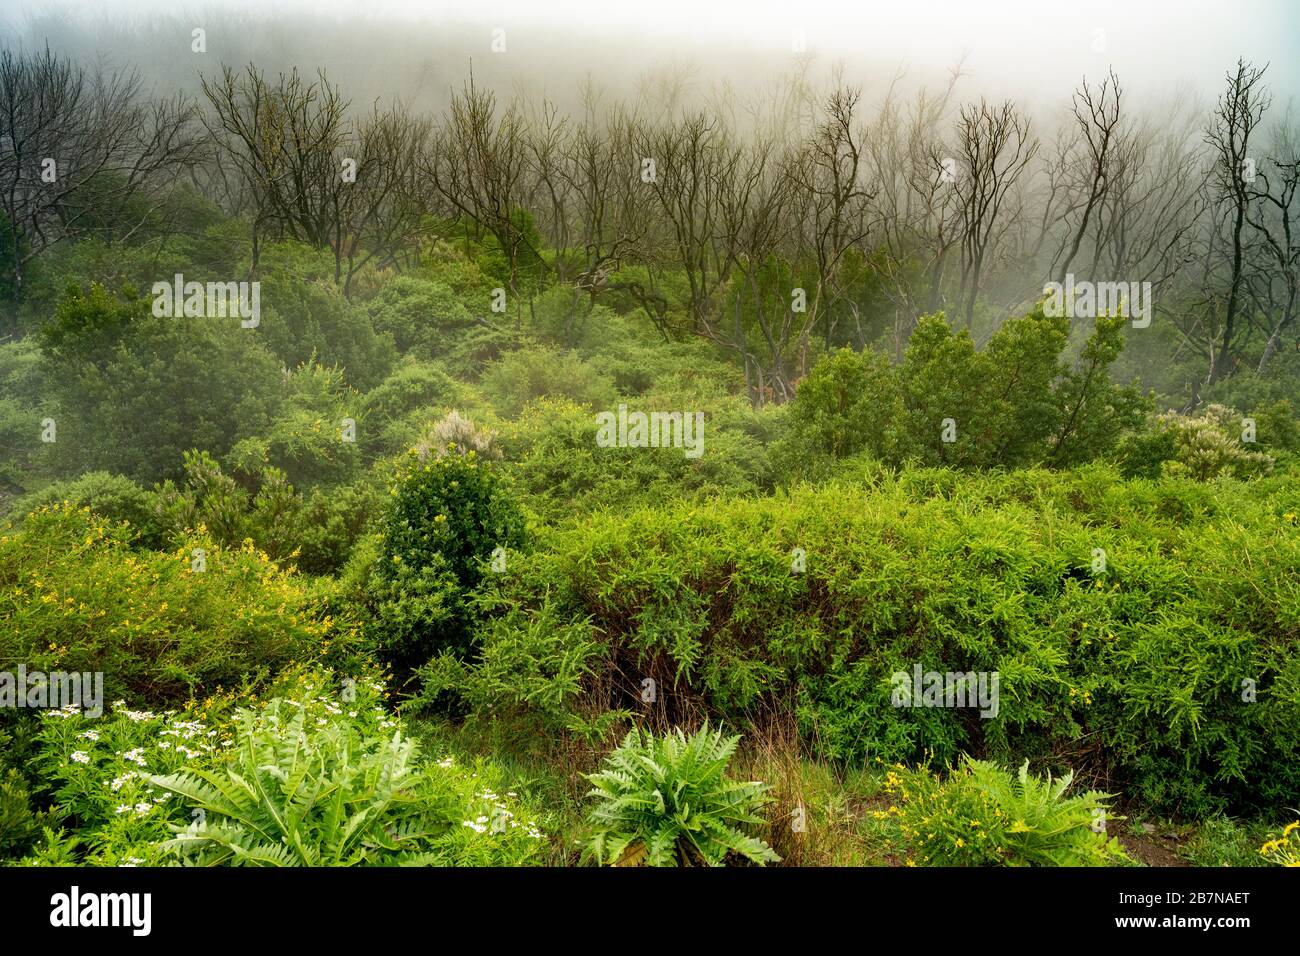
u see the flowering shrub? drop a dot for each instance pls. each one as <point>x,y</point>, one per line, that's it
<point>99,770</point>
<point>982,816</point>
<point>340,788</point>
<point>1208,445</point>
<point>76,596</point>
<point>136,787</point>
<point>1285,849</point>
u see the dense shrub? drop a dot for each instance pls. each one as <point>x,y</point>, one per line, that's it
<point>419,315</point>
<point>1206,445</point>
<point>19,824</point>
<point>111,496</point>
<point>521,376</point>
<point>1119,617</point>
<point>560,471</point>
<point>315,437</point>
<point>76,596</point>
<point>305,322</point>
<point>135,392</point>
<point>1012,404</point>
<point>448,516</point>
<point>412,387</point>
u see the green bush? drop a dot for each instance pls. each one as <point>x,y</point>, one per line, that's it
<point>419,315</point>
<point>114,497</point>
<point>667,801</point>
<point>135,392</point>
<point>309,322</point>
<point>96,770</point>
<point>560,471</point>
<point>19,825</point>
<point>412,387</point>
<point>1209,444</point>
<point>310,440</point>
<point>982,816</point>
<point>526,374</point>
<point>1116,613</point>
<point>76,596</point>
<point>450,507</point>
<point>1012,404</point>
<point>448,516</point>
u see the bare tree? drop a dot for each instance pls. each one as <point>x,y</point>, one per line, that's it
<point>1273,213</point>
<point>1097,120</point>
<point>378,213</point>
<point>995,147</point>
<point>478,163</point>
<point>1236,117</point>
<point>287,138</point>
<point>833,200</point>
<point>75,147</point>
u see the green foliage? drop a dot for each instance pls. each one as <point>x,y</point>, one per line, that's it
<point>296,795</point>
<point>321,779</point>
<point>1012,404</point>
<point>20,822</point>
<point>419,315</point>
<point>390,409</point>
<point>111,496</point>
<point>667,801</point>
<point>1223,841</point>
<point>334,520</point>
<point>212,502</point>
<point>86,326</point>
<point>981,815</point>
<point>529,669</point>
<point>448,515</point>
<point>75,595</point>
<point>560,471</point>
<point>306,439</point>
<point>135,392</point>
<point>97,771</point>
<point>452,507</point>
<point>1172,667</point>
<point>1143,657</point>
<point>1091,410</point>
<point>319,763</point>
<point>523,375</point>
<point>305,322</point>
<point>848,403</point>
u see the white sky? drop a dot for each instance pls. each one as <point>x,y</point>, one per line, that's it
<point>1035,45</point>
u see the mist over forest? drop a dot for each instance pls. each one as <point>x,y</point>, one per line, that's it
<point>699,434</point>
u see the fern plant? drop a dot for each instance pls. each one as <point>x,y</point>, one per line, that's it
<point>324,796</point>
<point>667,801</point>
